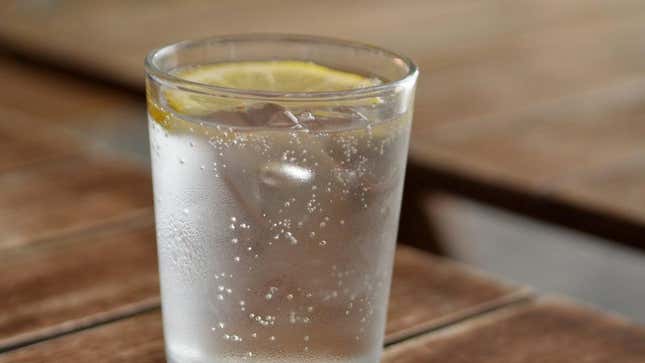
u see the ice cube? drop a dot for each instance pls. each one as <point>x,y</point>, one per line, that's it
<point>258,114</point>
<point>281,174</point>
<point>273,115</point>
<point>228,118</point>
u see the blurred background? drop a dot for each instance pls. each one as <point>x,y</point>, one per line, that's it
<point>526,159</point>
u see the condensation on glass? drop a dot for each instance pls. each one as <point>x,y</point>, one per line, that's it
<point>276,219</point>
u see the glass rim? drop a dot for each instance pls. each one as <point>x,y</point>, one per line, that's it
<point>164,77</point>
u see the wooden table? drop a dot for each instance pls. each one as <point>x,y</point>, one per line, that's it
<point>78,274</point>
<point>532,105</point>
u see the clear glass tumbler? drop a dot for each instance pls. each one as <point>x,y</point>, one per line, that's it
<point>277,213</point>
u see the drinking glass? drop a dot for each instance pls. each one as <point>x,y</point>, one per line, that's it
<point>277,212</point>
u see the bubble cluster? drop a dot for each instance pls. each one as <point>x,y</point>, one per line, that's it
<point>285,232</point>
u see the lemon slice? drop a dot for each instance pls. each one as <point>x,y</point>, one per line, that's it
<point>273,76</point>
<point>286,77</point>
<point>277,76</point>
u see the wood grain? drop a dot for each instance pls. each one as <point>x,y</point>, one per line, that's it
<point>83,279</point>
<point>136,339</point>
<point>428,292</point>
<point>25,141</point>
<point>582,150</point>
<point>72,110</point>
<point>525,69</point>
<point>69,195</point>
<point>56,97</point>
<point>446,32</point>
<point>68,284</point>
<point>491,104</point>
<point>546,331</point>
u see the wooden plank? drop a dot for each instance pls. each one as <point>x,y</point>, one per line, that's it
<point>91,114</point>
<point>483,63</point>
<point>428,292</point>
<point>524,70</point>
<point>616,189</point>
<point>136,339</point>
<point>604,130</point>
<point>25,142</point>
<point>567,150</point>
<point>456,293</point>
<point>57,97</point>
<point>546,331</point>
<point>116,53</point>
<point>69,195</point>
<point>47,114</point>
<point>67,284</point>
<point>445,31</point>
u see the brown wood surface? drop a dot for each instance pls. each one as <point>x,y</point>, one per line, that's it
<point>24,142</point>
<point>90,113</point>
<point>101,276</point>
<point>492,104</point>
<point>136,339</point>
<point>428,292</point>
<point>549,150</point>
<point>56,97</point>
<point>536,98</point>
<point>98,36</point>
<point>547,331</point>
<point>72,283</point>
<point>69,195</point>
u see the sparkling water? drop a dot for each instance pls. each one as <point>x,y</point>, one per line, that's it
<point>276,232</point>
